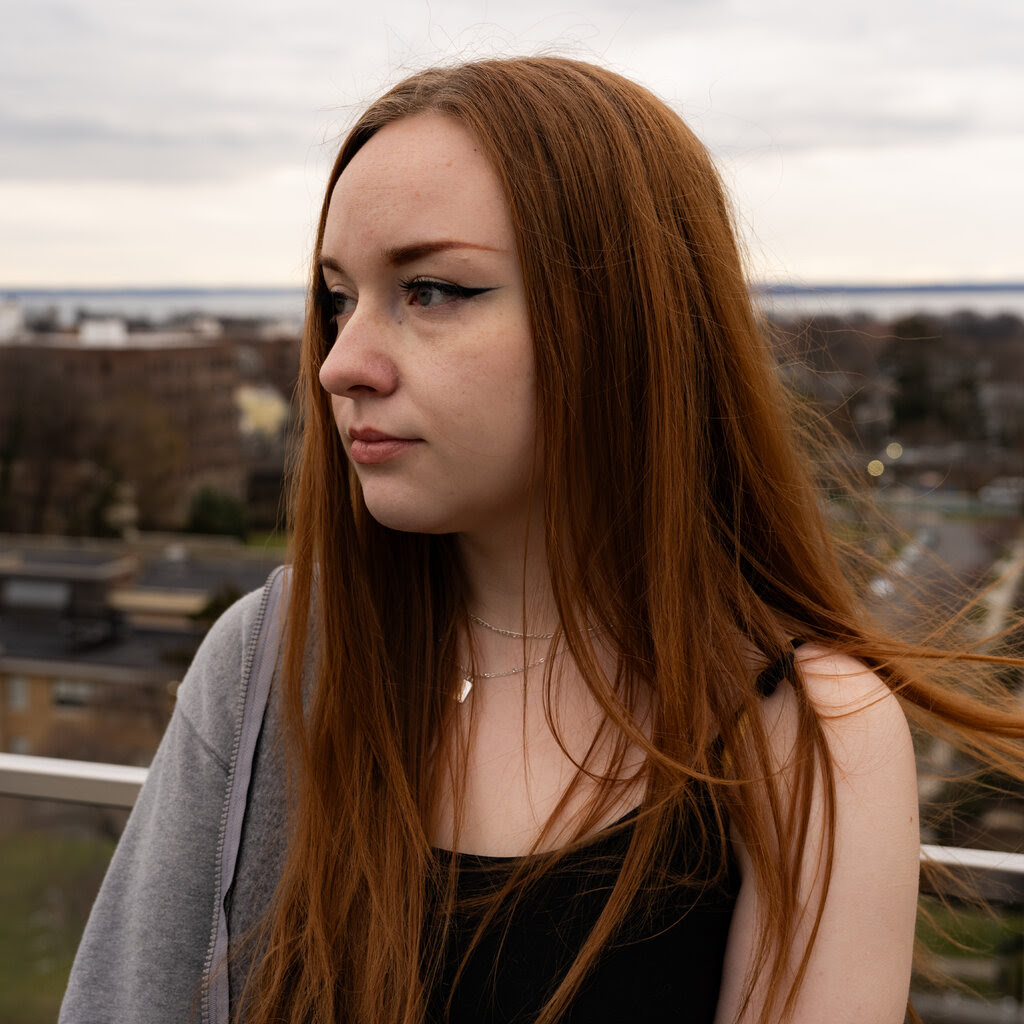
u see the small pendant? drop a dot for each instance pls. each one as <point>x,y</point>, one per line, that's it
<point>464,688</point>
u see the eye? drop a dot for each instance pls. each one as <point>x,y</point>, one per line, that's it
<point>341,304</point>
<point>428,293</point>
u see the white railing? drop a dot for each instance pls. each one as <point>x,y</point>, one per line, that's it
<point>974,860</point>
<point>81,782</point>
<point>116,785</point>
<point>993,876</point>
<point>996,876</point>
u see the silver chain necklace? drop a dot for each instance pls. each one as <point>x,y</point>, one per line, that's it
<point>466,683</point>
<point>510,633</point>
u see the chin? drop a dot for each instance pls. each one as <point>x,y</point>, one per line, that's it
<point>409,520</point>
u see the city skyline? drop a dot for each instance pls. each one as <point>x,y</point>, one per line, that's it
<point>189,146</point>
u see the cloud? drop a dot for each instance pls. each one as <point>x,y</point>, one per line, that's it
<point>255,233</point>
<point>87,146</point>
<point>762,77</point>
<point>115,92</point>
<point>207,91</point>
<point>948,211</point>
<point>206,102</point>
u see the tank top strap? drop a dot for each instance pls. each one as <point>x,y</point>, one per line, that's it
<point>769,679</point>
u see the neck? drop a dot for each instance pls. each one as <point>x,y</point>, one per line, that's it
<point>508,578</point>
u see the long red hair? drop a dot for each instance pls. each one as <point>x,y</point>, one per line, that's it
<point>681,517</point>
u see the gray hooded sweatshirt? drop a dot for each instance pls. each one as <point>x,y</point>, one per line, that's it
<point>147,953</point>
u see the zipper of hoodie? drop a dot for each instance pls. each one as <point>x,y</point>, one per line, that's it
<point>255,651</point>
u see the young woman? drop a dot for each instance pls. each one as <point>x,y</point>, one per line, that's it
<point>577,716</point>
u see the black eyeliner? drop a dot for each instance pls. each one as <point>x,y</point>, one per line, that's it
<point>445,287</point>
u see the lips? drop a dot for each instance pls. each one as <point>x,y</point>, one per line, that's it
<point>371,447</point>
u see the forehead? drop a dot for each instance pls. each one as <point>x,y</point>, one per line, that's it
<point>419,178</point>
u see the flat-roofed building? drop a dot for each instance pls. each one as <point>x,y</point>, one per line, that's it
<point>84,412</point>
<point>95,637</point>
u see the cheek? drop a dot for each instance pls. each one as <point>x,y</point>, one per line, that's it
<point>516,398</point>
<point>507,399</point>
<point>519,388</point>
<point>513,366</point>
<point>493,383</point>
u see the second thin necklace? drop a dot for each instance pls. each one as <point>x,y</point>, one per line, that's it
<point>466,683</point>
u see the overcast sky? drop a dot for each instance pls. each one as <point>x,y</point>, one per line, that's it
<point>187,142</point>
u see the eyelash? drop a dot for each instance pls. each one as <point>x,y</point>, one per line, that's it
<point>446,288</point>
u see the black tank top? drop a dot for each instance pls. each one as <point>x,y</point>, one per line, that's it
<point>665,965</point>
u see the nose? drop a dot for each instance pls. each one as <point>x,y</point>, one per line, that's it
<point>359,362</point>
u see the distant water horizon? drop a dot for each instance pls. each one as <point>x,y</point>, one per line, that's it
<point>160,304</point>
<point>889,301</point>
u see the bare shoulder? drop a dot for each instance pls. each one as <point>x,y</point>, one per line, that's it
<point>862,719</point>
<point>863,824</point>
<point>839,684</point>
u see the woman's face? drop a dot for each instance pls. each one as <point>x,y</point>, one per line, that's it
<point>431,373</point>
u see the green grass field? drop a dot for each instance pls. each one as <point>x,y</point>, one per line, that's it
<point>975,949</point>
<point>47,885</point>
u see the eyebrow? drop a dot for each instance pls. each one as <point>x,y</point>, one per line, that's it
<point>401,255</point>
